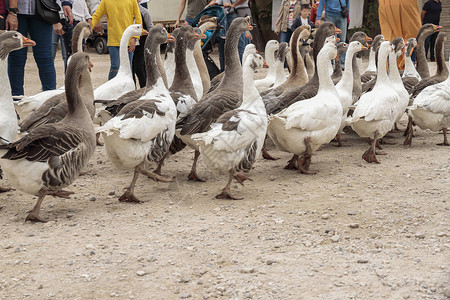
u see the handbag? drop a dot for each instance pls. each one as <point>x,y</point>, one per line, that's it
<point>344,10</point>
<point>48,11</point>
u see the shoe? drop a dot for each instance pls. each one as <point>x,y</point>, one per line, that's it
<point>433,60</point>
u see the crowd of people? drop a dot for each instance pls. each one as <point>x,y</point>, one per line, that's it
<point>20,15</point>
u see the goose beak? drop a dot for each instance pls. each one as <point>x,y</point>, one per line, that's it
<point>368,39</point>
<point>437,28</point>
<point>27,42</point>
<point>170,38</point>
<point>337,40</point>
<point>91,65</point>
<point>144,32</point>
<point>196,36</point>
<point>204,36</point>
<point>337,30</point>
<point>249,27</point>
<point>364,47</point>
<point>265,65</point>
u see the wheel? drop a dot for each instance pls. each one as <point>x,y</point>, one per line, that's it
<point>100,45</point>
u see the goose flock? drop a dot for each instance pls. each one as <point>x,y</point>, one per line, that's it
<point>226,120</point>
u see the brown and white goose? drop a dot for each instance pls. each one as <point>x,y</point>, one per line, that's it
<point>421,60</point>
<point>227,96</point>
<point>50,157</point>
<point>9,41</point>
<point>371,71</point>
<point>410,77</point>
<point>208,24</point>
<point>142,131</point>
<point>337,72</point>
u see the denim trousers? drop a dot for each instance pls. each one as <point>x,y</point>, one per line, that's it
<point>340,23</point>
<point>114,56</point>
<point>243,41</point>
<point>285,36</point>
<point>41,33</point>
<point>430,41</point>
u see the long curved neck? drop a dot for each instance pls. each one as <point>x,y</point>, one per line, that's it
<point>394,75</point>
<point>250,90</point>
<point>125,66</point>
<point>160,63</point>
<point>280,76</point>
<point>410,70</point>
<point>151,65</point>
<point>422,65</point>
<point>347,77</point>
<point>442,69</point>
<point>233,68</point>
<point>74,102</point>
<point>77,41</point>
<point>270,57</point>
<point>356,73</point>
<point>202,68</point>
<point>382,76</point>
<point>371,67</point>
<point>337,72</point>
<point>5,88</point>
<point>325,82</point>
<point>181,69</point>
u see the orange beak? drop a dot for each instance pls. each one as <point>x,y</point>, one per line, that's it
<point>368,39</point>
<point>265,65</point>
<point>337,30</point>
<point>91,65</point>
<point>337,40</point>
<point>364,47</point>
<point>196,36</point>
<point>437,28</point>
<point>204,36</point>
<point>144,32</point>
<point>249,27</point>
<point>170,38</point>
<point>27,42</point>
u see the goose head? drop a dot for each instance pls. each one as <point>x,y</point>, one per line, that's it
<point>410,45</point>
<point>399,44</point>
<point>13,40</point>
<point>428,29</point>
<point>135,30</point>
<point>84,30</point>
<point>158,35</point>
<point>355,47</point>
<point>254,61</point>
<point>241,25</point>
<point>386,46</point>
<point>341,49</point>
<point>377,40</point>
<point>361,37</point>
<point>328,51</point>
<point>208,24</point>
<point>272,46</point>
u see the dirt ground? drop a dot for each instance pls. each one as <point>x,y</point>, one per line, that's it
<point>353,231</point>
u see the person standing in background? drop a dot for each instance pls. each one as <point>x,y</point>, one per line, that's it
<point>80,13</point>
<point>194,7</point>
<point>334,13</point>
<point>3,14</point>
<point>290,10</point>
<point>303,19</point>
<point>138,57</point>
<point>431,13</point>
<point>21,17</point>
<point>119,15</point>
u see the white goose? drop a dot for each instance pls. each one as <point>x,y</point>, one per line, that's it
<point>375,113</point>
<point>280,58</point>
<point>431,109</point>
<point>410,70</point>
<point>123,82</point>
<point>345,85</point>
<point>396,80</point>
<point>169,59</point>
<point>9,41</point>
<point>235,140</point>
<point>304,126</point>
<point>192,65</point>
<point>50,157</point>
<point>142,131</point>
<point>268,81</point>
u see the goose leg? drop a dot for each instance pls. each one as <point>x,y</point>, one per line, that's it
<point>265,153</point>
<point>129,196</point>
<point>445,143</point>
<point>226,193</point>
<point>292,163</point>
<point>160,164</point>
<point>305,160</point>
<point>33,216</point>
<point>240,178</point>
<point>193,175</point>
<point>154,176</point>
<point>408,133</point>
<point>337,139</point>
<point>370,154</point>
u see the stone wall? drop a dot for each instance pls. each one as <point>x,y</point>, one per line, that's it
<point>445,22</point>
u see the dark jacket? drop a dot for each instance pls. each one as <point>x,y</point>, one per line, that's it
<point>298,22</point>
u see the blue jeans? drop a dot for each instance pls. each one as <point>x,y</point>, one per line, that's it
<point>114,56</point>
<point>430,41</point>
<point>243,41</point>
<point>340,23</point>
<point>55,41</point>
<point>285,36</point>
<point>41,33</point>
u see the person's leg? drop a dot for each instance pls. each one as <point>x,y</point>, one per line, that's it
<point>55,41</point>
<point>432,44</point>
<point>130,58</point>
<point>41,33</point>
<point>3,21</point>
<point>285,36</point>
<point>17,60</point>
<point>427,45</point>
<point>139,66</point>
<point>115,61</point>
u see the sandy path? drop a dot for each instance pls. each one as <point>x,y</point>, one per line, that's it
<point>353,231</point>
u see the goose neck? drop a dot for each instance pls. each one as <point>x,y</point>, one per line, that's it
<point>233,68</point>
<point>151,65</point>
<point>5,88</point>
<point>125,67</point>
<point>394,75</point>
<point>382,76</point>
<point>347,76</point>
<point>409,66</point>
<point>442,68</point>
<point>249,86</point>
<point>372,67</point>
<point>325,82</point>
<point>181,69</point>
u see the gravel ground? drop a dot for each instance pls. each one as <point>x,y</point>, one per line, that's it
<point>353,231</point>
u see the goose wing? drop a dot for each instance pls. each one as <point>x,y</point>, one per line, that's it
<point>53,110</point>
